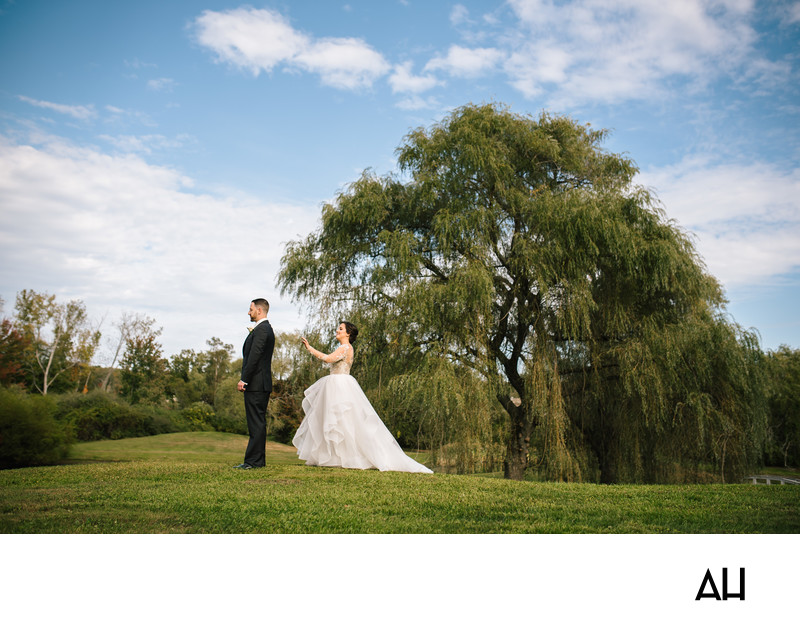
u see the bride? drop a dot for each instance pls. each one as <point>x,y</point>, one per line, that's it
<point>340,428</point>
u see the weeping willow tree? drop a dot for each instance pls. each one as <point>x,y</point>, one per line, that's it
<point>520,254</point>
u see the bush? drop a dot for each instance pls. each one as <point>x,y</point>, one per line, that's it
<point>285,411</point>
<point>223,423</point>
<point>195,417</point>
<point>229,402</point>
<point>29,432</point>
<point>229,407</point>
<point>201,416</point>
<point>283,416</point>
<point>98,415</point>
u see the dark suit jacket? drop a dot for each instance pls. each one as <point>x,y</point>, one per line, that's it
<point>257,353</point>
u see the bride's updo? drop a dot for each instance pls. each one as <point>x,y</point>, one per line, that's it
<point>351,330</point>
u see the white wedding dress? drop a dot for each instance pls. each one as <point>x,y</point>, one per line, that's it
<point>342,429</point>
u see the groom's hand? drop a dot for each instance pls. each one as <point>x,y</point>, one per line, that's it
<point>241,385</point>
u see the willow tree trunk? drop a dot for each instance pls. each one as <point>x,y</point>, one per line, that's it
<point>519,441</point>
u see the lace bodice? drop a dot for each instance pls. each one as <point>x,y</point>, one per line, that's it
<point>340,357</point>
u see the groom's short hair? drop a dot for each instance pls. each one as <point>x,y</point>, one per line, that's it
<point>262,303</point>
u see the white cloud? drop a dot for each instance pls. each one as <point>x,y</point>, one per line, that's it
<point>574,52</point>
<point>466,62</point>
<point>115,116</point>
<point>416,102</point>
<point>144,144</point>
<point>551,67</point>
<point>793,13</point>
<point>746,218</point>
<point>255,39</point>
<point>82,112</point>
<point>765,74</point>
<point>345,63</point>
<point>261,40</point>
<point>459,14</point>
<point>122,234</point>
<point>138,64</point>
<point>403,80</point>
<point>161,84</point>
<point>599,51</point>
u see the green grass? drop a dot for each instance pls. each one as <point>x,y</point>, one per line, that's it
<point>184,483</point>
<point>184,447</point>
<point>786,472</point>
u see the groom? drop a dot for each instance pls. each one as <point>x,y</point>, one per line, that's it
<point>256,383</point>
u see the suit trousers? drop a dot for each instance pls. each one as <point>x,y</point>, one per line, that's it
<point>255,406</point>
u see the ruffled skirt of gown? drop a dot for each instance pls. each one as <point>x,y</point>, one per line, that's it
<point>342,429</point>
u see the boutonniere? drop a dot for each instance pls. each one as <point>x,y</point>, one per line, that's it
<point>250,329</point>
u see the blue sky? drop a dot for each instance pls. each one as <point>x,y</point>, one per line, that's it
<point>156,156</point>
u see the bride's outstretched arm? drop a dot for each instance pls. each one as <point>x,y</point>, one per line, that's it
<point>330,357</point>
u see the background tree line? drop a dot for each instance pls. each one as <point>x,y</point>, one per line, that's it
<point>523,307</point>
<point>140,392</point>
<point>54,391</point>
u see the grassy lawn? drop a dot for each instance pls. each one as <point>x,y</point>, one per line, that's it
<point>184,483</point>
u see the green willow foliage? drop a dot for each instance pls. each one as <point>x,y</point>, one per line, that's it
<point>442,405</point>
<point>783,395</point>
<point>516,288</point>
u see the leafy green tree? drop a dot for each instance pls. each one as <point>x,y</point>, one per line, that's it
<point>186,383</point>
<point>217,366</point>
<point>522,253</point>
<point>61,337</point>
<point>128,325</point>
<point>229,406</point>
<point>198,376</point>
<point>12,352</point>
<point>293,371</point>
<point>143,369</point>
<point>783,388</point>
<point>183,364</point>
<point>288,355</point>
<point>88,341</point>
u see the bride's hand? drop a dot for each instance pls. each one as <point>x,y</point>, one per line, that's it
<point>305,342</point>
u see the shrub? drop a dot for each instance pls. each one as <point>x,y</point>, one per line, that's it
<point>223,423</point>
<point>195,417</point>
<point>98,415</point>
<point>283,416</point>
<point>201,416</point>
<point>285,411</point>
<point>29,432</point>
<point>229,402</point>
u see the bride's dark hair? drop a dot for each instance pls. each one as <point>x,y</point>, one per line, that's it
<point>351,330</point>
